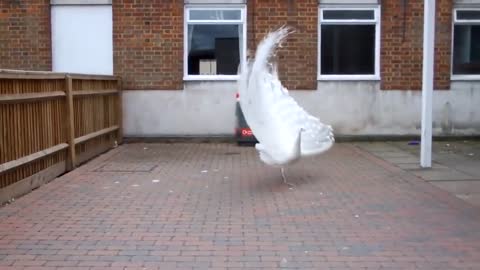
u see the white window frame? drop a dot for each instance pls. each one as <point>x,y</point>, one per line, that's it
<point>376,21</point>
<point>455,21</point>
<point>187,21</point>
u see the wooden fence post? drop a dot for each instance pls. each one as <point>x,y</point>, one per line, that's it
<point>70,126</point>
<point>119,112</point>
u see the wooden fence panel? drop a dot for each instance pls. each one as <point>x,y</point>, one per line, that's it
<point>51,122</point>
<point>29,126</point>
<point>95,110</point>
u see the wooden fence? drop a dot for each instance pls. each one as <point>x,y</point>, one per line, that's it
<point>52,122</point>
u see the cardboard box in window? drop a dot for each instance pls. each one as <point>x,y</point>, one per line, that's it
<point>208,67</point>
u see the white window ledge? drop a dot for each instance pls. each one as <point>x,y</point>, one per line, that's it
<point>466,2</point>
<point>465,77</point>
<point>211,78</point>
<point>215,1</point>
<point>348,78</point>
<point>349,2</point>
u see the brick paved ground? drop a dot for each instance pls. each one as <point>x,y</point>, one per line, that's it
<point>215,206</point>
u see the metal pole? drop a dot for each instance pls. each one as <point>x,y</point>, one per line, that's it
<point>427,83</point>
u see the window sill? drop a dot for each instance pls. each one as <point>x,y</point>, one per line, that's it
<point>211,78</point>
<point>465,77</point>
<point>348,78</point>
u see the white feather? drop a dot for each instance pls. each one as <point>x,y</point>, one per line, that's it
<point>285,131</point>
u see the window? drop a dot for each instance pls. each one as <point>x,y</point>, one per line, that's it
<point>466,44</point>
<point>215,43</point>
<point>349,43</point>
<point>82,40</point>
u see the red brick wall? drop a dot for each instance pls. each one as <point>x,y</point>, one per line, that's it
<point>443,38</point>
<point>148,43</point>
<point>298,59</point>
<point>25,41</point>
<point>402,45</point>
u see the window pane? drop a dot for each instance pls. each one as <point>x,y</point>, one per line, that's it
<point>468,15</point>
<point>348,49</point>
<point>348,15</point>
<point>214,49</point>
<point>466,49</point>
<point>215,15</point>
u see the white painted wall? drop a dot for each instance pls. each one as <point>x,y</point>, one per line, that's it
<point>200,109</point>
<point>352,108</point>
<point>82,39</point>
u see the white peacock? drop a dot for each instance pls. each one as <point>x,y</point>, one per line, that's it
<point>284,130</point>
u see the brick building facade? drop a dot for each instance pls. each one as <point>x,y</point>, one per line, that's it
<point>149,41</point>
<point>402,47</point>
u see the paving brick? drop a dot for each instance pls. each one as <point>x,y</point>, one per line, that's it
<point>101,252</point>
<point>42,251</point>
<point>21,263</point>
<point>36,267</point>
<point>153,259</point>
<point>82,258</point>
<point>128,265</point>
<point>6,263</point>
<point>19,257</point>
<point>133,252</point>
<point>51,257</point>
<point>74,268</point>
<point>72,252</point>
<point>62,264</point>
<point>93,263</point>
<point>169,253</point>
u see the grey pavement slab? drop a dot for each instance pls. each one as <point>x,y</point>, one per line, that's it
<point>452,161</point>
<point>442,174</point>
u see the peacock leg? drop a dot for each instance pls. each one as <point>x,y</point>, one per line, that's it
<point>285,178</point>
